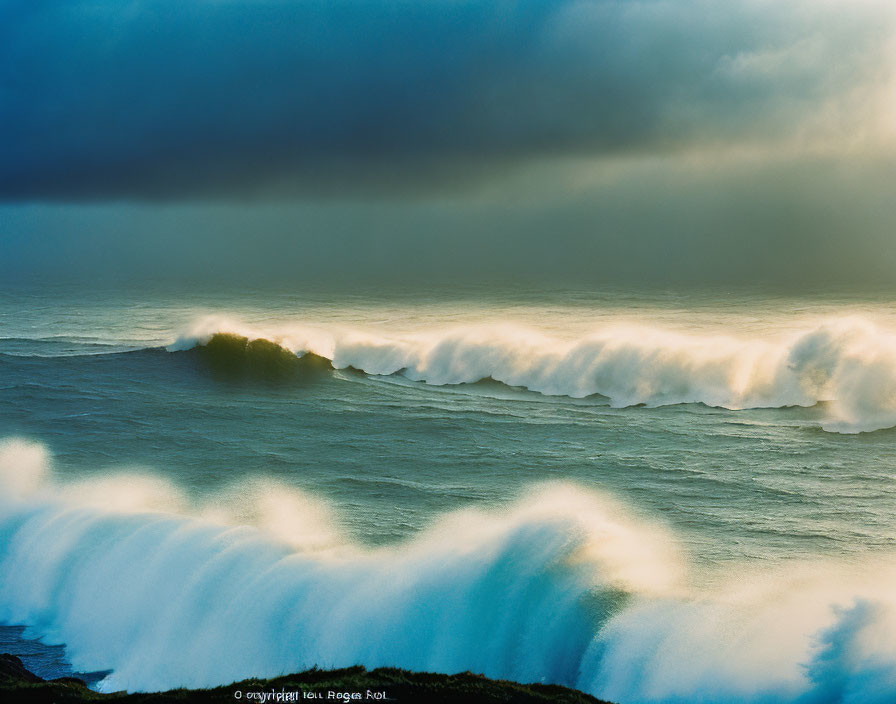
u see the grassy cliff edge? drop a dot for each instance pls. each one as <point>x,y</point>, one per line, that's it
<point>353,684</point>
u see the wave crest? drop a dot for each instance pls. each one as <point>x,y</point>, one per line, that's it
<point>849,363</point>
<point>565,586</point>
<point>237,357</point>
<point>516,594</point>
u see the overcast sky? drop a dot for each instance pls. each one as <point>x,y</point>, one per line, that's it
<point>596,140</point>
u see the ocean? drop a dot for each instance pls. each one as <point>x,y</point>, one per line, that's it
<point>652,496</point>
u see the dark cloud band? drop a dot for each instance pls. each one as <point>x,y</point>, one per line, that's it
<point>185,98</point>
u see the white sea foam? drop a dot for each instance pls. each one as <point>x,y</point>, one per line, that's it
<point>565,586</point>
<point>849,362</point>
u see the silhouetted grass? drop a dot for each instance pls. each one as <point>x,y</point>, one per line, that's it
<point>19,685</point>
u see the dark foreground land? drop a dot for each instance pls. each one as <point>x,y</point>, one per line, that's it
<point>354,684</point>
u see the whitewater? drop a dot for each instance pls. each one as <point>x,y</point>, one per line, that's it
<point>849,362</point>
<point>563,585</point>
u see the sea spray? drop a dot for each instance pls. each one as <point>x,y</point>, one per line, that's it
<point>565,585</point>
<point>848,363</point>
<point>518,594</point>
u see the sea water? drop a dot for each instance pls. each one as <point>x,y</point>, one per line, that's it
<point>651,496</point>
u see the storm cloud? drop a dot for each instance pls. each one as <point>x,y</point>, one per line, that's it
<point>103,99</point>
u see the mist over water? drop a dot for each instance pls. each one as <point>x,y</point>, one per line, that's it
<point>653,498</point>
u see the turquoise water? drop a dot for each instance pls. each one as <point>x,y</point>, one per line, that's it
<point>650,496</point>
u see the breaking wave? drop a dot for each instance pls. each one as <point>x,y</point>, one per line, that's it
<point>849,363</point>
<point>236,357</point>
<point>564,586</point>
